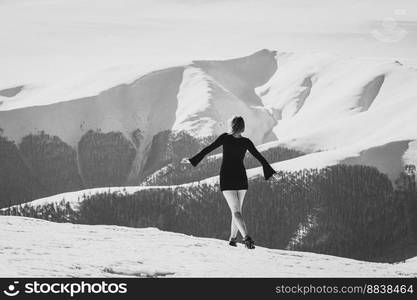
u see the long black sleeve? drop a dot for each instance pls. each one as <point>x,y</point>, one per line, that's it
<point>200,155</point>
<point>268,170</point>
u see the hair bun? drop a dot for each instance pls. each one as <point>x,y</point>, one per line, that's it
<point>237,124</point>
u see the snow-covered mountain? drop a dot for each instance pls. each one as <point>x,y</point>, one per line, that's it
<point>149,252</point>
<point>197,98</point>
<point>92,132</point>
<point>349,105</point>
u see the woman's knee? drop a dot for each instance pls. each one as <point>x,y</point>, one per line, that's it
<point>232,200</point>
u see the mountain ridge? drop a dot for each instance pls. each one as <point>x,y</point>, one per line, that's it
<point>311,102</point>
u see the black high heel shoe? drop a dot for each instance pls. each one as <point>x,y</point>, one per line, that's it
<point>232,242</point>
<point>249,243</point>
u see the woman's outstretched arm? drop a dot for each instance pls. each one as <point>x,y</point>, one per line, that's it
<point>268,170</point>
<point>200,155</point>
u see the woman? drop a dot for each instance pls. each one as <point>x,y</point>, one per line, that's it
<point>233,179</point>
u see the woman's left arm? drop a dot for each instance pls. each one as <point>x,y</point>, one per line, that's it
<point>268,170</point>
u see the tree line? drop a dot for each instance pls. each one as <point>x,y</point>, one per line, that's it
<point>175,172</point>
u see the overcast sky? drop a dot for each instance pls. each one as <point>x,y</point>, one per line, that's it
<point>42,40</point>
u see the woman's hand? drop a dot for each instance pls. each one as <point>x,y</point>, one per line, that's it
<point>185,160</point>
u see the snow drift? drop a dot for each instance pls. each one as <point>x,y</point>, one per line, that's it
<point>69,250</point>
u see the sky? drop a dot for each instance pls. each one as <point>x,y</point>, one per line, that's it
<point>42,41</point>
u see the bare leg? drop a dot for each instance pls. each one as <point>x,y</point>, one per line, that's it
<point>234,205</point>
<point>241,194</point>
<point>233,230</point>
<point>233,227</point>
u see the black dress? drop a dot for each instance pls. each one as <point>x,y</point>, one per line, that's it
<point>232,171</point>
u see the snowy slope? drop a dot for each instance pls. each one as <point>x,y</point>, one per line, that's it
<point>75,198</point>
<point>356,110</point>
<point>324,102</point>
<point>198,97</point>
<point>314,101</point>
<point>43,249</point>
<point>211,92</point>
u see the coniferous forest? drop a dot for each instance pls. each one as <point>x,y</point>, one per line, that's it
<point>350,211</point>
<point>17,182</point>
<point>179,173</point>
<point>42,165</point>
<point>52,161</point>
<point>105,158</point>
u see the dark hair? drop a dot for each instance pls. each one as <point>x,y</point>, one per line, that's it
<point>237,124</point>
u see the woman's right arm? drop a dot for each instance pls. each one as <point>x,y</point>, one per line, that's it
<point>200,155</point>
<point>268,170</point>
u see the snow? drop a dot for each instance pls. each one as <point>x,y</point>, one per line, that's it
<point>37,248</point>
<point>85,84</point>
<point>350,101</point>
<point>206,105</point>
<point>342,107</point>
